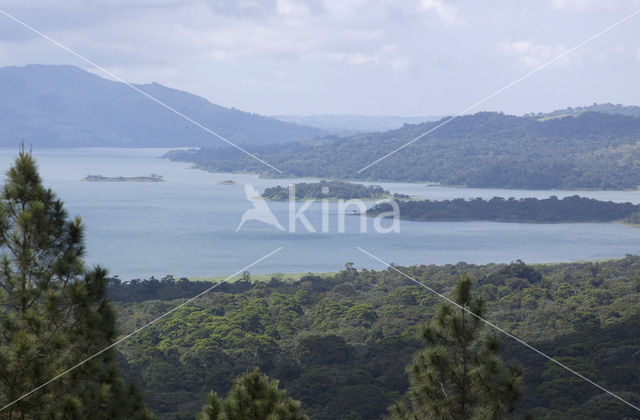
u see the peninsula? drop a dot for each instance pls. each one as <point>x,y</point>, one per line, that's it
<point>572,209</point>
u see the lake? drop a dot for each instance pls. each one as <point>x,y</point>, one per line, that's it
<point>186,226</point>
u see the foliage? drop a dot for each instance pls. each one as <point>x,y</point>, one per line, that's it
<point>340,343</point>
<point>460,375</point>
<point>549,210</point>
<point>167,288</point>
<point>252,397</point>
<point>53,312</point>
<point>590,150</point>
<point>327,190</point>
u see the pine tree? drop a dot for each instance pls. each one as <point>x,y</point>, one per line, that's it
<point>54,313</point>
<point>460,375</point>
<point>252,397</point>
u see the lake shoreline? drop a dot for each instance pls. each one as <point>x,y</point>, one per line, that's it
<point>187,227</point>
<point>427,183</point>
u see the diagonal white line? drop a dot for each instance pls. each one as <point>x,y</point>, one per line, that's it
<point>510,85</point>
<point>140,329</point>
<point>489,323</point>
<point>154,99</point>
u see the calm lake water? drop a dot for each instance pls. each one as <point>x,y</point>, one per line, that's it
<point>186,225</point>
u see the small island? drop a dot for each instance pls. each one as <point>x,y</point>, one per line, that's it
<point>100,178</point>
<point>330,190</point>
<point>574,209</point>
<point>227,182</point>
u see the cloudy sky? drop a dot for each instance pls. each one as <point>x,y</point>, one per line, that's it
<point>375,57</point>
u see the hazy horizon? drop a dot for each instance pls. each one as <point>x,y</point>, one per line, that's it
<point>430,117</point>
<point>377,58</point>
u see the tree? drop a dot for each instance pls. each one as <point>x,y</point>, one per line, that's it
<point>459,375</point>
<point>53,312</point>
<point>252,396</point>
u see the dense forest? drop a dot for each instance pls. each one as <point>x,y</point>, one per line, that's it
<point>487,149</point>
<point>532,210</point>
<point>340,343</point>
<point>327,190</point>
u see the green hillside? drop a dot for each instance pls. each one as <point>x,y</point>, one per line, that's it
<point>591,150</point>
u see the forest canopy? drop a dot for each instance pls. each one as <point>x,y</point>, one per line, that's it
<point>323,190</point>
<point>340,343</point>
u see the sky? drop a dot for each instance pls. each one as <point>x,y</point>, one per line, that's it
<point>364,57</point>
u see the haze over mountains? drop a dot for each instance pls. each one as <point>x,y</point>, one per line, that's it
<point>629,110</point>
<point>65,106</point>
<point>354,124</point>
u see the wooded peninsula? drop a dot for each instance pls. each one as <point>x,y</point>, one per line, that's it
<point>525,210</point>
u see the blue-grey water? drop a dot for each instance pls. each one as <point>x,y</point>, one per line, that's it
<point>186,225</point>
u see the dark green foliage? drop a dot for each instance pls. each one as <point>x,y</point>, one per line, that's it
<point>327,190</point>
<point>516,270</point>
<point>460,375</point>
<point>53,312</point>
<point>252,397</point>
<point>319,338</point>
<point>166,288</point>
<point>591,150</point>
<point>324,350</point>
<point>607,354</point>
<point>548,210</point>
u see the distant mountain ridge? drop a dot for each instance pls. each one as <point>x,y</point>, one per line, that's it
<point>353,124</point>
<point>608,108</point>
<point>65,106</point>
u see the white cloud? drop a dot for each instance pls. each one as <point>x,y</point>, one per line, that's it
<point>386,55</point>
<point>592,5</point>
<point>446,12</point>
<point>372,49</point>
<point>343,9</point>
<point>291,33</point>
<point>531,54</point>
<point>147,32</point>
<point>292,8</point>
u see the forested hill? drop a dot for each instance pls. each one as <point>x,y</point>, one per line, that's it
<point>609,108</point>
<point>65,106</point>
<point>591,150</point>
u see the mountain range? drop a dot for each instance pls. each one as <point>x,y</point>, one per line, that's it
<point>344,125</point>
<point>65,106</point>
